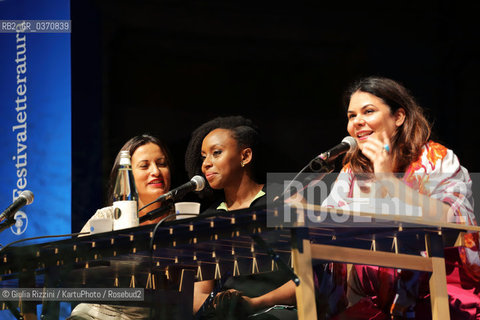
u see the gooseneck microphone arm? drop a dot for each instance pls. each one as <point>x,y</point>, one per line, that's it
<point>167,205</point>
<point>25,198</point>
<point>7,217</point>
<point>7,224</point>
<point>149,204</point>
<point>321,164</point>
<point>197,183</point>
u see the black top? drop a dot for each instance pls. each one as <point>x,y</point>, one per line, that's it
<point>260,201</point>
<point>253,285</point>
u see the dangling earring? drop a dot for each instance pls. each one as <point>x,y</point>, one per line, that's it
<point>242,164</point>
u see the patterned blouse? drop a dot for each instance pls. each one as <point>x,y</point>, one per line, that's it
<point>437,173</point>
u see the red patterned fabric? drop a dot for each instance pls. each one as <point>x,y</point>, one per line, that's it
<point>438,174</point>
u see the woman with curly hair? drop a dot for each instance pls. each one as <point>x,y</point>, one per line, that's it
<point>227,151</point>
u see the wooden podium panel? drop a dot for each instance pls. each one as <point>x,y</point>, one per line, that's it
<point>402,240</point>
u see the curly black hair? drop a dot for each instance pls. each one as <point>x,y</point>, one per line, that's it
<point>244,131</point>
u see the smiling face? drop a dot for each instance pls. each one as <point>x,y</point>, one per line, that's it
<point>151,172</point>
<point>369,116</point>
<point>221,158</point>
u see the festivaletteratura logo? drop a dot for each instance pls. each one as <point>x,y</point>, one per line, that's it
<point>21,223</point>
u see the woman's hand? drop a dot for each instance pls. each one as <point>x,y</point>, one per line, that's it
<point>230,303</point>
<point>224,299</point>
<point>249,304</point>
<point>379,154</point>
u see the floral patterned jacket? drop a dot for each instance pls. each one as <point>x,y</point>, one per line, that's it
<point>437,173</point>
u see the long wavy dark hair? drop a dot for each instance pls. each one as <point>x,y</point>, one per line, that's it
<point>408,139</point>
<point>132,145</point>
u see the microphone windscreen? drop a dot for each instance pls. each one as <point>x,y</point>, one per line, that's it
<point>199,182</point>
<point>28,195</point>
<point>351,142</point>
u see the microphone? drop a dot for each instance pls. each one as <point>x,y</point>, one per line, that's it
<point>155,213</point>
<point>25,198</point>
<point>348,144</point>
<point>196,184</point>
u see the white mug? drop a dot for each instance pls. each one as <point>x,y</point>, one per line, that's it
<point>127,216</point>
<point>189,208</point>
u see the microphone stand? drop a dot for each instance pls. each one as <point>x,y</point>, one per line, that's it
<point>166,206</point>
<point>317,165</point>
<point>7,223</point>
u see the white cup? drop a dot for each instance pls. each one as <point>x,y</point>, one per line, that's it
<point>100,225</point>
<point>187,208</point>
<point>127,216</point>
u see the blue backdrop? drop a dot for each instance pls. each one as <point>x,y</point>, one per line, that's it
<point>35,120</point>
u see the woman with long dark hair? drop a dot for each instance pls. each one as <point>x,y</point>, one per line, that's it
<point>151,167</point>
<point>395,158</point>
<point>395,155</point>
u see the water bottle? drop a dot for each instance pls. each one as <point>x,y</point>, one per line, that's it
<point>125,197</point>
